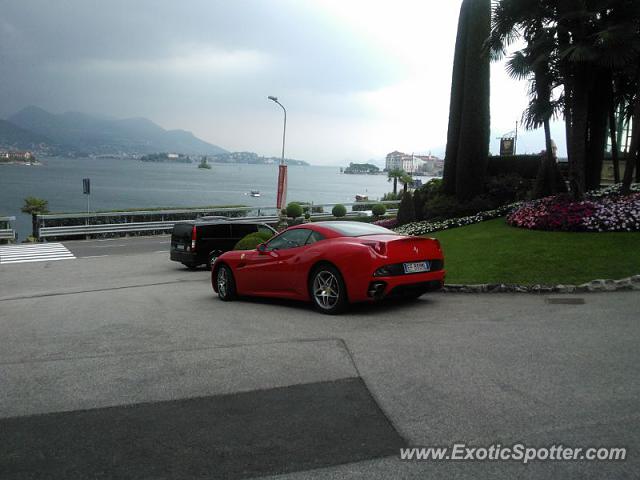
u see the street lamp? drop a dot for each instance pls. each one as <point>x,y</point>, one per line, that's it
<point>284,131</point>
<point>282,169</point>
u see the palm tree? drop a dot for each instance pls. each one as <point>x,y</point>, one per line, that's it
<point>35,206</point>
<point>406,180</point>
<point>533,63</point>
<point>394,175</point>
<point>586,44</point>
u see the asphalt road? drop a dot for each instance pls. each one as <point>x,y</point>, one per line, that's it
<point>136,331</point>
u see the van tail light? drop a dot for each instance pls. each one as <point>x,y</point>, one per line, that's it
<point>193,238</point>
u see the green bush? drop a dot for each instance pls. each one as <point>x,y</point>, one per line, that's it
<point>252,240</point>
<point>378,210</point>
<point>442,207</point>
<point>406,210</point>
<point>339,211</point>
<point>506,188</point>
<point>389,197</point>
<point>361,207</point>
<point>294,210</point>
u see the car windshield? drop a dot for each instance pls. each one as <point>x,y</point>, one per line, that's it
<point>357,229</point>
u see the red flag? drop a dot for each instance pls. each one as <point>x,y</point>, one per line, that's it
<point>282,187</point>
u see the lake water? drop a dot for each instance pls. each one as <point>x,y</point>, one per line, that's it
<point>124,184</point>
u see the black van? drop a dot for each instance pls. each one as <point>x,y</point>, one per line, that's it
<point>199,241</point>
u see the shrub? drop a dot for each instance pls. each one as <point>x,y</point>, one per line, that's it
<point>294,210</point>
<point>307,216</point>
<point>378,210</point>
<point>389,197</point>
<point>506,188</point>
<point>339,210</point>
<point>443,206</point>
<point>362,207</point>
<point>406,212</point>
<point>252,240</point>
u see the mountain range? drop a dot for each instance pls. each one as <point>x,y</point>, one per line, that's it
<point>79,134</point>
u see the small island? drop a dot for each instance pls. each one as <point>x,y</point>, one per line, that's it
<point>251,159</point>
<point>362,169</point>
<point>204,164</point>
<point>166,157</point>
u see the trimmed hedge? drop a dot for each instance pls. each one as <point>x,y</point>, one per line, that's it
<point>251,241</point>
<point>524,165</point>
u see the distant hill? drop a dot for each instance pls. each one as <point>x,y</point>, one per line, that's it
<point>90,134</point>
<point>14,137</point>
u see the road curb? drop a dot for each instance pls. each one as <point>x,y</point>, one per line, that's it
<point>595,286</point>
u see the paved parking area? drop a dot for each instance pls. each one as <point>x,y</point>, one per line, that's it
<point>115,331</point>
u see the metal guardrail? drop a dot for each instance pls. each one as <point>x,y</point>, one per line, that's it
<point>82,230</point>
<point>7,233</point>
<point>86,228</point>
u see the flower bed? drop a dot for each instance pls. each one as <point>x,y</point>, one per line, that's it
<point>426,227</point>
<point>601,211</point>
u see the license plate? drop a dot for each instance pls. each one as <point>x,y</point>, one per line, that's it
<point>179,247</point>
<point>416,267</point>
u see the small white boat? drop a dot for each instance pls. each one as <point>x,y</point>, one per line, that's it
<point>254,193</point>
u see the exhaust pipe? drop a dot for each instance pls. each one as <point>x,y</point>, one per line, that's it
<point>376,290</point>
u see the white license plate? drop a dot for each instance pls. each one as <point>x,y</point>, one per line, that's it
<point>416,267</point>
<point>179,247</point>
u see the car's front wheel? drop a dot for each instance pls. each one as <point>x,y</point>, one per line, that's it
<point>328,291</point>
<point>212,258</point>
<point>225,284</point>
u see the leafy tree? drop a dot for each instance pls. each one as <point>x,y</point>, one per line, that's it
<point>467,150</point>
<point>35,206</point>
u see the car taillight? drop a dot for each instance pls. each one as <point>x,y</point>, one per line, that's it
<point>193,238</point>
<point>379,247</point>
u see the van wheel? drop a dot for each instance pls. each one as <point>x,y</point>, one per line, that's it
<point>225,283</point>
<point>328,291</point>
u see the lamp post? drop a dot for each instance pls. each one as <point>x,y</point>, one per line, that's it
<point>282,168</point>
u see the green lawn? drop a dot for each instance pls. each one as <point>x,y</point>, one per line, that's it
<point>493,252</point>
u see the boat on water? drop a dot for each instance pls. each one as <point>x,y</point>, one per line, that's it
<point>254,193</point>
<point>362,197</point>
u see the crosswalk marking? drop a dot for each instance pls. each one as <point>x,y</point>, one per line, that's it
<point>38,252</point>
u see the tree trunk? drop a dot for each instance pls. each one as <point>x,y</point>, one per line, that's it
<point>632,156</point>
<point>614,136</point>
<point>597,129</point>
<point>578,140</point>
<point>395,185</point>
<point>34,225</point>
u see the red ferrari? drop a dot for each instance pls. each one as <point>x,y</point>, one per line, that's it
<point>332,264</point>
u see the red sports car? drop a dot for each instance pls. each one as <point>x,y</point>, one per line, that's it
<point>332,264</point>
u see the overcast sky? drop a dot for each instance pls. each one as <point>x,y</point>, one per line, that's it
<point>359,78</point>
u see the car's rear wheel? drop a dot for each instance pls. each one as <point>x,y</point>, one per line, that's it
<point>225,283</point>
<point>327,289</point>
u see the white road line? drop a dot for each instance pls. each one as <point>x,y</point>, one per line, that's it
<point>45,252</point>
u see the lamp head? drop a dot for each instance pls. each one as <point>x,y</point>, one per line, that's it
<point>270,97</point>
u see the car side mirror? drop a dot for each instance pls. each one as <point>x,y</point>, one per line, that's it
<point>262,248</point>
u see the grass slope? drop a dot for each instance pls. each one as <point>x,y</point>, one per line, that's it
<point>493,252</point>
